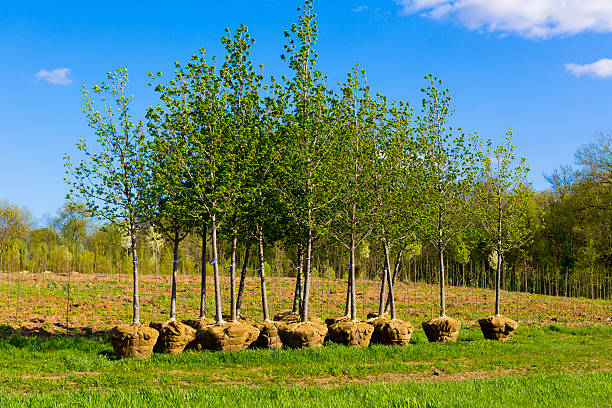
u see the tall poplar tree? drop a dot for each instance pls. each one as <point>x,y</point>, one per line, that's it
<point>353,169</point>
<point>502,202</point>
<point>199,106</point>
<point>450,164</point>
<point>111,177</point>
<point>306,142</point>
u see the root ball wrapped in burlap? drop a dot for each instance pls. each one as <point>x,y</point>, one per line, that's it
<point>133,340</point>
<point>302,335</point>
<point>173,337</point>
<point>442,329</point>
<point>497,327</point>
<point>227,336</point>
<point>268,336</point>
<point>349,333</point>
<point>391,332</point>
<point>197,324</point>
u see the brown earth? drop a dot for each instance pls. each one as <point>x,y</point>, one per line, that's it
<point>38,303</point>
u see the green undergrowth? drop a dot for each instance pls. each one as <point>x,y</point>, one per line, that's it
<point>35,367</point>
<point>580,390</point>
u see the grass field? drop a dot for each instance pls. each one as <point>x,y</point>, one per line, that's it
<point>560,355</point>
<point>540,366</point>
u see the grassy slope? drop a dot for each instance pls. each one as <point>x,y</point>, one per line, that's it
<point>550,364</point>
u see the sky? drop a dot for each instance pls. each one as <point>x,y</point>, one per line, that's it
<point>540,67</point>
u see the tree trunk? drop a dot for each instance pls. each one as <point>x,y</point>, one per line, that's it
<point>174,268</point>
<point>262,274</point>
<point>135,295</point>
<point>203,281</point>
<point>352,277</point>
<point>391,298</point>
<point>349,282</point>
<point>442,294</point>
<point>245,264</point>
<point>497,279</point>
<point>396,267</point>
<point>298,281</point>
<point>215,264</point>
<point>232,276</point>
<point>304,311</point>
<point>381,299</point>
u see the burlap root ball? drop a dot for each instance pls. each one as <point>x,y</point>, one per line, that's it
<point>133,340</point>
<point>197,324</point>
<point>443,329</point>
<point>391,332</point>
<point>227,336</point>
<point>268,336</point>
<point>293,317</point>
<point>349,333</point>
<point>497,327</point>
<point>173,337</point>
<point>302,335</point>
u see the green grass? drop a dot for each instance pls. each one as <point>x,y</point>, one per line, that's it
<point>579,390</point>
<point>540,365</point>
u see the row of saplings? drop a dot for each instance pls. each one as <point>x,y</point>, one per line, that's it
<point>172,337</point>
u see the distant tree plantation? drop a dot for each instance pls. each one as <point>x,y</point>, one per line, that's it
<point>233,172</point>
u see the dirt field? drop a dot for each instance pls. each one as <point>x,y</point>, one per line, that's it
<point>48,303</point>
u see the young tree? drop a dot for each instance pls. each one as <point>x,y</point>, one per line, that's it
<point>450,164</point>
<point>244,143</point>
<point>198,105</point>
<point>353,165</point>
<point>502,200</point>
<point>166,186</point>
<point>306,146</point>
<point>399,189</point>
<point>110,178</point>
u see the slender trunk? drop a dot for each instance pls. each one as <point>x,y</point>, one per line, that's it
<point>497,278</point>
<point>174,268</point>
<point>298,281</point>
<point>232,277</point>
<point>262,274</point>
<point>304,311</point>
<point>352,277</point>
<point>245,263</point>
<point>388,273</point>
<point>349,282</point>
<point>215,264</point>
<point>396,267</point>
<point>135,295</point>
<point>381,299</point>
<point>203,281</point>
<point>442,294</point>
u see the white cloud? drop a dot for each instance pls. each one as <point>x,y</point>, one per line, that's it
<point>599,69</point>
<point>359,9</point>
<point>59,76</point>
<point>527,18</point>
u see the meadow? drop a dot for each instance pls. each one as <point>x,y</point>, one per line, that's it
<point>54,351</point>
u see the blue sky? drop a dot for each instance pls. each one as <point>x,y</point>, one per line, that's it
<point>539,66</point>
